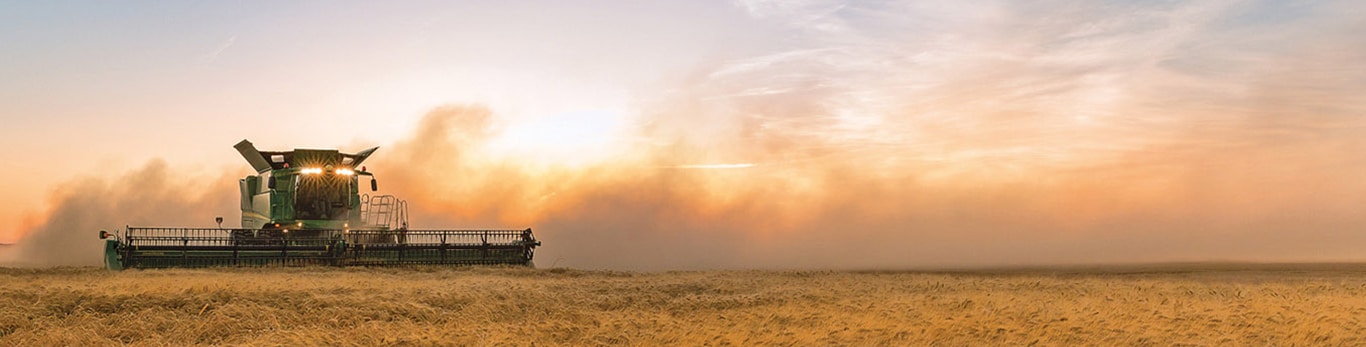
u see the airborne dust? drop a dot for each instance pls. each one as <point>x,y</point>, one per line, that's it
<point>639,213</point>
<point>989,138</point>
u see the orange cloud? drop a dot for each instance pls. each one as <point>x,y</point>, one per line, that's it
<point>904,135</point>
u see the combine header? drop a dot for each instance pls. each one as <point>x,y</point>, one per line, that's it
<point>304,207</point>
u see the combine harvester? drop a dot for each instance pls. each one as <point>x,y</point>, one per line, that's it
<point>304,207</point>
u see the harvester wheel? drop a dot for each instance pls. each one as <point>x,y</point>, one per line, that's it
<point>242,236</point>
<point>249,237</point>
<point>270,236</point>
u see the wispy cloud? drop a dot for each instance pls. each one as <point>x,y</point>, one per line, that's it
<point>213,55</point>
<point>870,134</point>
<point>712,166</point>
<point>1061,84</point>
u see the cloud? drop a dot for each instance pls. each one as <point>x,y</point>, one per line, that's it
<point>894,135</point>
<point>212,56</point>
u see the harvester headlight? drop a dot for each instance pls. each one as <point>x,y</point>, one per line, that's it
<point>311,171</point>
<point>345,171</point>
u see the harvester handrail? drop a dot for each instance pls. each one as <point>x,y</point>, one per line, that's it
<point>174,247</point>
<point>441,231</point>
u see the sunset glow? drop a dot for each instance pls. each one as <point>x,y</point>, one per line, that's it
<point>770,134</point>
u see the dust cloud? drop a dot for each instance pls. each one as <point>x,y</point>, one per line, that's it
<point>813,208</point>
<point>153,195</point>
<point>1160,204</point>
<point>901,135</point>
<point>1015,142</point>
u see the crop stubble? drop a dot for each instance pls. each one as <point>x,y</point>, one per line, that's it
<point>1316,305</point>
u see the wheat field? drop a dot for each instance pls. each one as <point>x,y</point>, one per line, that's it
<point>1206,305</point>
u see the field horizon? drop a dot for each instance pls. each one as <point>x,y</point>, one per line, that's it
<point>1151,304</point>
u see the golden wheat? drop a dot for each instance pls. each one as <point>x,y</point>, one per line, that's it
<point>1318,306</point>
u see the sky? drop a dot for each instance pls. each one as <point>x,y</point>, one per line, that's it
<point>715,134</point>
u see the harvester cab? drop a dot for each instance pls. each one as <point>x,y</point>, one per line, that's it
<point>307,190</point>
<point>305,206</point>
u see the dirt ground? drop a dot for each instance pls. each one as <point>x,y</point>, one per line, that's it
<point>1167,305</point>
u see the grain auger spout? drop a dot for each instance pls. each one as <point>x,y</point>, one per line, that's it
<point>305,207</point>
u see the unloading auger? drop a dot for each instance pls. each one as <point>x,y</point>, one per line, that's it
<point>304,207</point>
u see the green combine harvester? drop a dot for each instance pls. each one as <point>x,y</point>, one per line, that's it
<point>304,207</point>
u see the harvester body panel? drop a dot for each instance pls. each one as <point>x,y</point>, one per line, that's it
<point>304,207</point>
